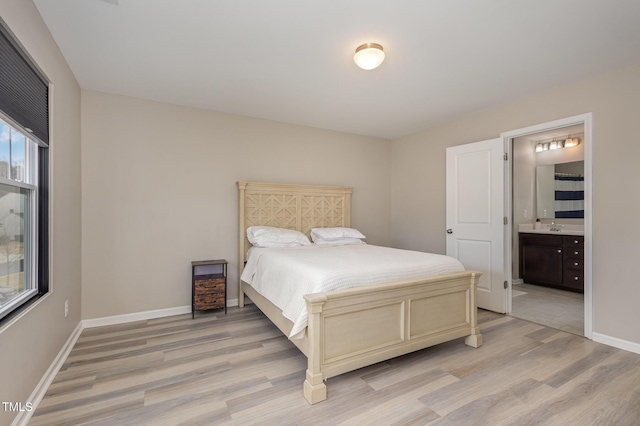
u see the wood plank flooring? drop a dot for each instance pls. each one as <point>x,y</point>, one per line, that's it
<point>239,369</point>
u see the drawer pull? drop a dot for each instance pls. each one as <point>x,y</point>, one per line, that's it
<point>575,263</point>
<point>576,278</point>
<point>575,241</point>
<point>559,251</point>
<point>576,252</point>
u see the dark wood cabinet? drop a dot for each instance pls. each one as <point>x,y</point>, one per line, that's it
<point>552,260</point>
<point>208,285</point>
<point>573,255</point>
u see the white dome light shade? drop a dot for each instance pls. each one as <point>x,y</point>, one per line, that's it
<point>369,56</point>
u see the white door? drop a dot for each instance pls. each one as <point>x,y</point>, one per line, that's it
<point>475,216</point>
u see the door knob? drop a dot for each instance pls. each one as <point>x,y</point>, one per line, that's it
<point>449,231</point>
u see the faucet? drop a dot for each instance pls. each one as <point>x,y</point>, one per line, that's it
<point>554,227</point>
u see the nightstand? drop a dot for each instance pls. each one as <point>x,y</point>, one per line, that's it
<point>208,285</point>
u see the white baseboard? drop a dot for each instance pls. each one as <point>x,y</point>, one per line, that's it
<point>141,316</point>
<point>617,343</point>
<point>22,419</point>
<point>517,281</point>
<point>137,316</point>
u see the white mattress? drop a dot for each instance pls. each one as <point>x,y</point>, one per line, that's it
<point>285,275</point>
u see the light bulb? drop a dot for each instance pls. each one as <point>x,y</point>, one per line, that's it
<point>369,56</point>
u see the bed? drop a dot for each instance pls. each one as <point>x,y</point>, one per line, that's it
<point>350,328</point>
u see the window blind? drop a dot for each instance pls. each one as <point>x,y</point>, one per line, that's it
<point>24,93</point>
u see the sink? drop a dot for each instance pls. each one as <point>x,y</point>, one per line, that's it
<point>564,229</point>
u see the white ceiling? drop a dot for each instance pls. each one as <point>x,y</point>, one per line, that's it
<point>292,60</point>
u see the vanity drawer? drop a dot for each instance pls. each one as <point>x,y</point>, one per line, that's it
<point>572,241</point>
<point>574,264</point>
<point>574,279</point>
<point>574,253</point>
<point>541,240</point>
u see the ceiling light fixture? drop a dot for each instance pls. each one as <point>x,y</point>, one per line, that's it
<point>369,56</point>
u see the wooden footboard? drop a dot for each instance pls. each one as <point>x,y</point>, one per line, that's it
<point>353,328</point>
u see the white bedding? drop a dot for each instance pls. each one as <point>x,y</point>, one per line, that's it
<point>285,275</point>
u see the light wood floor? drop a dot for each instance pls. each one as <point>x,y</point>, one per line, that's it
<point>239,369</point>
<point>554,308</point>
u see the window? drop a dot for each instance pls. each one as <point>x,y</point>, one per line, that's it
<point>24,178</point>
<point>18,221</point>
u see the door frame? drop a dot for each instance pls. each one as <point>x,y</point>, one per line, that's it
<point>587,121</point>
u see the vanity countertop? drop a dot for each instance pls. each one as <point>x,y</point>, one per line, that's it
<point>564,229</point>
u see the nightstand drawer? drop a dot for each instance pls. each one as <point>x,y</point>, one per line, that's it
<point>209,301</point>
<point>209,285</point>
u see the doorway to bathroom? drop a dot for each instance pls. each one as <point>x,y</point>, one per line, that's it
<point>549,237</point>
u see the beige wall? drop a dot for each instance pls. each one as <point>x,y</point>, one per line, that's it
<point>418,190</point>
<point>159,190</point>
<point>30,343</point>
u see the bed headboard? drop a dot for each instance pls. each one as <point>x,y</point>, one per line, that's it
<point>299,207</point>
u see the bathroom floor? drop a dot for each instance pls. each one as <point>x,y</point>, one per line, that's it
<point>559,309</point>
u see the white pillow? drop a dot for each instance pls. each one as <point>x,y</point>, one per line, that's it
<point>268,236</point>
<point>334,233</point>
<point>341,241</point>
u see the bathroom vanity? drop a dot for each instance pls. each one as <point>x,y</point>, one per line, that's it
<point>552,258</point>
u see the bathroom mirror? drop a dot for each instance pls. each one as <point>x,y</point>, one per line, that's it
<point>560,190</point>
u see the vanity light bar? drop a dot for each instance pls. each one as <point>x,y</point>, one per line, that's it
<point>557,144</point>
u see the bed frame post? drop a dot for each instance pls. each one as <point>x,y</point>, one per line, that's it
<point>314,389</point>
<point>347,210</point>
<point>241,251</point>
<point>475,338</point>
